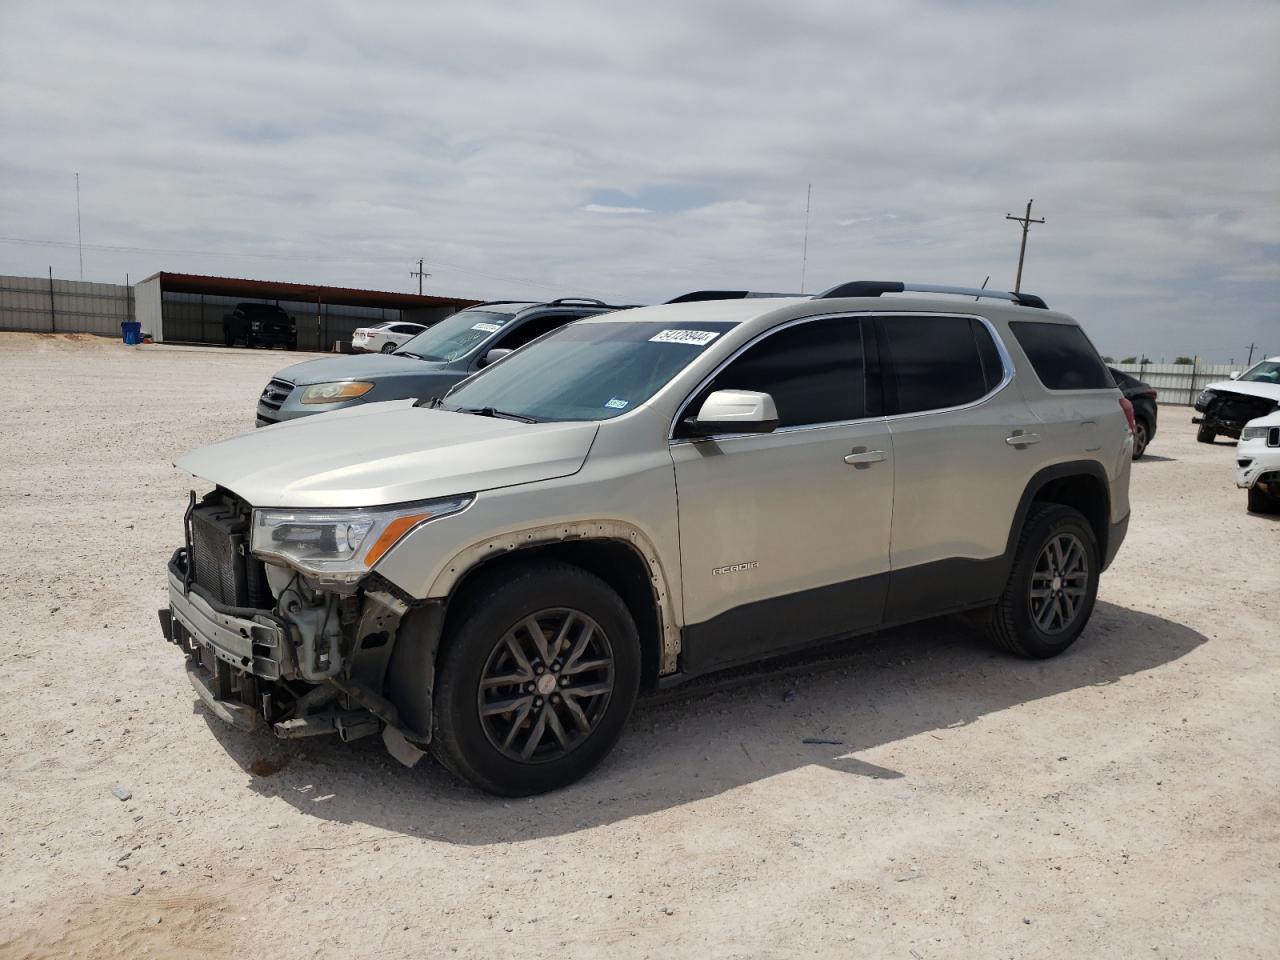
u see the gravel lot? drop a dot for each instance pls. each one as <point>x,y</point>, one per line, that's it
<point>1119,801</point>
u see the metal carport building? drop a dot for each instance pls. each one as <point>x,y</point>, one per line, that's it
<point>187,308</point>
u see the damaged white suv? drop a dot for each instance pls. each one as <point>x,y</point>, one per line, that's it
<point>642,497</point>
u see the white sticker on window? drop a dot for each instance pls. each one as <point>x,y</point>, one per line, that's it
<point>694,338</point>
<point>616,404</point>
<point>487,327</point>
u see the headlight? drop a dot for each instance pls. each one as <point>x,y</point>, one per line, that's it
<point>333,392</point>
<point>342,544</point>
<point>1253,433</point>
<point>1205,397</point>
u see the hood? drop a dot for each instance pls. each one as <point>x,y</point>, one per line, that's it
<point>382,453</point>
<point>353,367</point>
<point>1268,391</point>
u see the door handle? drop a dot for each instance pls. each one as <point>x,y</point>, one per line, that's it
<point>1020,439</point>
<point>861,456</point>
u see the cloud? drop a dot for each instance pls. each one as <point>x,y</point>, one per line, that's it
<point>605,208</point>
<point>492,140</point>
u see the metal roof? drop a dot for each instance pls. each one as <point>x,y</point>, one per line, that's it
<point>304,292</point>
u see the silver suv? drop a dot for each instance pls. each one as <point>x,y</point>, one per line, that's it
<point>642,497</point>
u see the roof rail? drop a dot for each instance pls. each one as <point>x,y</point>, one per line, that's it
<point>564,301</point>
<point>497,303</point>
<point>698,296</point>
<point>873,288</point>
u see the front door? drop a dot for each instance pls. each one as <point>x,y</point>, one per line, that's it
<point>784,537</point>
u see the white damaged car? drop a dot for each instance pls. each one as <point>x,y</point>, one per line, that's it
<point>1258,463</point>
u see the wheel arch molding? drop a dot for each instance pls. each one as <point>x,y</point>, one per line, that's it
<point>618,553</point>
<point>1080,484</point>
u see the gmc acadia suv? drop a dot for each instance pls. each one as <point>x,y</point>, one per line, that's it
<point>642,497</point>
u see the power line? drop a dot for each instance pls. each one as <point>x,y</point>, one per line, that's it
<point>1026,220</point>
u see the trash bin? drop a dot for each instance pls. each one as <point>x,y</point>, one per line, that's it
<point>131,331</point>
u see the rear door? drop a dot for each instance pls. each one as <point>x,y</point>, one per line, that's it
<point>784,536</point>
<point>958,477</point>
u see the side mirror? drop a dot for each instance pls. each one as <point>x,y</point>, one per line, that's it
<point>1235,374</point>
<point>735,411</point>
<point>493,356</point>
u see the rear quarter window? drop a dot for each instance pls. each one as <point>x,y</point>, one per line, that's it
<point>1061,355</point>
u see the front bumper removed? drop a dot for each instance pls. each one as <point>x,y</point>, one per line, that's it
<point>242,665</point>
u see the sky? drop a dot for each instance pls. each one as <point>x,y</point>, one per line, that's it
<point>633,152</point>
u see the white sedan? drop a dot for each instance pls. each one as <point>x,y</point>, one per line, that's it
<point>1258,463</point>
<point>384,337</point>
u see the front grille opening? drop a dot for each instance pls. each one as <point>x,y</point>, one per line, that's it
<point>220,558</point>
<point>276,393</point>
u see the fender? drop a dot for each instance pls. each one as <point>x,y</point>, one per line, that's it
<point>467,559</point>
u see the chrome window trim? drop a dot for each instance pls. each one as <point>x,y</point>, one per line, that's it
<point>1006,361</point>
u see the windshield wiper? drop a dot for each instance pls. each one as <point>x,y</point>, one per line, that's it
<point>491,412</point>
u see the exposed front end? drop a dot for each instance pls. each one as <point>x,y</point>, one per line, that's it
<point>301,653</point>
<point>1226,412</point>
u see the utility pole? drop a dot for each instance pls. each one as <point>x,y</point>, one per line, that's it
<point>420,274</point>
<point>804,257</point>
<point>1252,347</point>
<point>1026,220</point>
<point>79,235</point>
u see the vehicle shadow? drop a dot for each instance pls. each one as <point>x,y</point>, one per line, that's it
<point>708,737</point>
<point>1155,458</point>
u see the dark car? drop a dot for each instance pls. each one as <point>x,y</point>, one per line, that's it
<point>1143,397</point>
<point>259,325</point>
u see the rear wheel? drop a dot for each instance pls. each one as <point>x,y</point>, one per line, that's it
<point>1141,437</point>
<point>388,348</point>
<point>538,673</point>
<point>1052,587</point>
<point>1206,433</point>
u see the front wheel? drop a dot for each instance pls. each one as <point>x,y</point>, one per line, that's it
<point>1206,433</point>
<point>538,673</point>
<point>1052,587</point>
<point>1262,500</point>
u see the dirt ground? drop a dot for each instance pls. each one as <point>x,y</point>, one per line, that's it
<point>1122,800</point>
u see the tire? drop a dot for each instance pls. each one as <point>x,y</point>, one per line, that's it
<point>1141,437</point>
<point>1262,501</point>
<point>1206,434</point>
<point>388,348</point>
<point>293,344</point>
<point>493,751</point>
<point>1015,623</point>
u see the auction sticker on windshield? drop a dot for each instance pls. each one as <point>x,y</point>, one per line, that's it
<point>695,338</point>
<point>487,327</point>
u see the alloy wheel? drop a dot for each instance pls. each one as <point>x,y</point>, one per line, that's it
<point>546,685</point>
<point>1059,583</point>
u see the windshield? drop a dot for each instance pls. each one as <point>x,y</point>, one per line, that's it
<point>455,336</point>
<point>586,371</point>
<point>1268,371</point>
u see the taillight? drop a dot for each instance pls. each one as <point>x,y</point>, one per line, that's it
<point>1148,394</point>
<point>1127,407</point>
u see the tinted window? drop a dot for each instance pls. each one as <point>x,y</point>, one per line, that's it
<point>1062,355</point>
<point>531,330</point>
<point>940,361</point>
<point>587,371</point>
<point>813,371</point>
